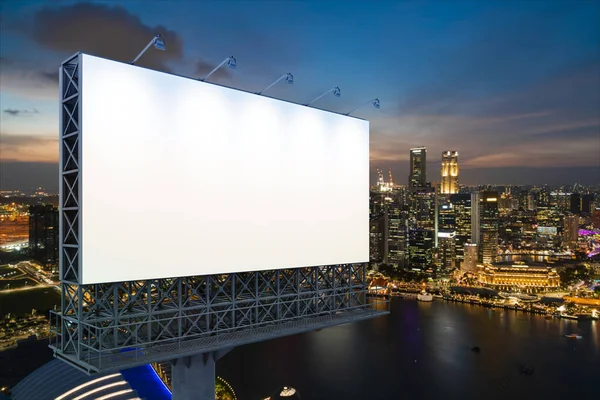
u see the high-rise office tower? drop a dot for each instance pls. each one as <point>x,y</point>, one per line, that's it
<point>596,218</point>
<point>587,201</point>
<point>488,226</point>
<point>446,235</point>
<point>484,225</point>
<point>43,235</point>
<point>470,261</point>
<point>575,203</point>
<point>420,248</point>
<point>378,227</point>
<point>396,232</point>
<point>418,167</point>
<point>571,230</point>
<point>449,183</point>
<point>388,231</point>
<point>461,207</point>
<point>475,225</point>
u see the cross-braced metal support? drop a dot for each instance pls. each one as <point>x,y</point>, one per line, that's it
<point>123,324</point>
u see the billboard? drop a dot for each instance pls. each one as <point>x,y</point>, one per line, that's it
<point>182,178</point>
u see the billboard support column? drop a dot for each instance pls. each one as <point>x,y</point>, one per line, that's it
<point>194,376</point>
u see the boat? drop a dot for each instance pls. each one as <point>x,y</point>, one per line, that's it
<point>574,336</point>
<point>424,296</point>
<point>567,316</point>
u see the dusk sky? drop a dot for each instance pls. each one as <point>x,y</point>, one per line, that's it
<point>514,86</point>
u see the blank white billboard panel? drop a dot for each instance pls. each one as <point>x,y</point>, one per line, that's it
<point>183,178</point>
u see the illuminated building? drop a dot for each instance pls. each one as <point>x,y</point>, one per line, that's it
<point>43,235</point>
<point>571,230</point>
<point>396,233</point>
<point>446,235</point>
<point>449,183</point>
<point>446,249</point>
<point>596,218</point>
<point>420,248</point>
<point>418,167</point>
<point>377,227</point>
<point>422,206</point>
<point>388,232</point>
<point>510,276</point>
<point>560,200</point>
<point>484,224</point>
<point>422,223</point>
<point>587,201</point>
<point>470,258</point>
<point>461,206</point>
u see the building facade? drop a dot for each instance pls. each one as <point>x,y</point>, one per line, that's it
<point>43,235</point>
<point>570,230</point>
<point>484,224</point>
<point>461,208</point>
<point>449,182</point>
<point>418,167</point>
<point>507,277</point>
<point>470,258</point>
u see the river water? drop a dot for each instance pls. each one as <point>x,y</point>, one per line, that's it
<point>423,351</point>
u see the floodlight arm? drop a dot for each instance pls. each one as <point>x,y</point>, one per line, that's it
<point>150,43</point>
<point>225,61</point>
<point>335,90</point>
<point>375,103</point>
<point>288,77</point>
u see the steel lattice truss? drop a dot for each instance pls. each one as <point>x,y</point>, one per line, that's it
<point>118,325</point>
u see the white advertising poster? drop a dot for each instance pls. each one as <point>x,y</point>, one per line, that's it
<point>182,178</point>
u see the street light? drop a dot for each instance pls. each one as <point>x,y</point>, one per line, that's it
<point>157,41</point>
<point>336,92</point>
<point>289,78</point>
<point>375,103</point>
<point>231,63</point>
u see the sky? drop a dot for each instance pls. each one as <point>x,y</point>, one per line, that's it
<point>513,86</point>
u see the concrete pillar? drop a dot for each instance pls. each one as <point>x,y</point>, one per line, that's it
<point>193,377</point>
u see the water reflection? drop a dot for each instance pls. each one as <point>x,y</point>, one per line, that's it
<point>423,350</point>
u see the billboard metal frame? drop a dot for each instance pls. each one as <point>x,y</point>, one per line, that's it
<point>118,325</point>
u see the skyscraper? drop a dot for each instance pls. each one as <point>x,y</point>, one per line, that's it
<point>461,206</point>
<point>418,167</point>
<point>571,230</point>
<point>484,225</point>
<point>575,203</point>
<point>449,183</point>
<point>43,235</point>
<point>470,258</point>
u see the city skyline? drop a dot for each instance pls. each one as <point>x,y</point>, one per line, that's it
<point>514,89</point>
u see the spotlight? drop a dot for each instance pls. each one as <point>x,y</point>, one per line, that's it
<point>289,78</point>
<point>375,103</point>
<point>157,41</point>
<point>231,63</point>
<point>336,92</point>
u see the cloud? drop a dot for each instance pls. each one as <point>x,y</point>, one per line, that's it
<point>83,27</point>
<point>14,113</point>
<point>551,122</point>
<point>105,31</point>
<point>27,148</point>
<point>28,79</point>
